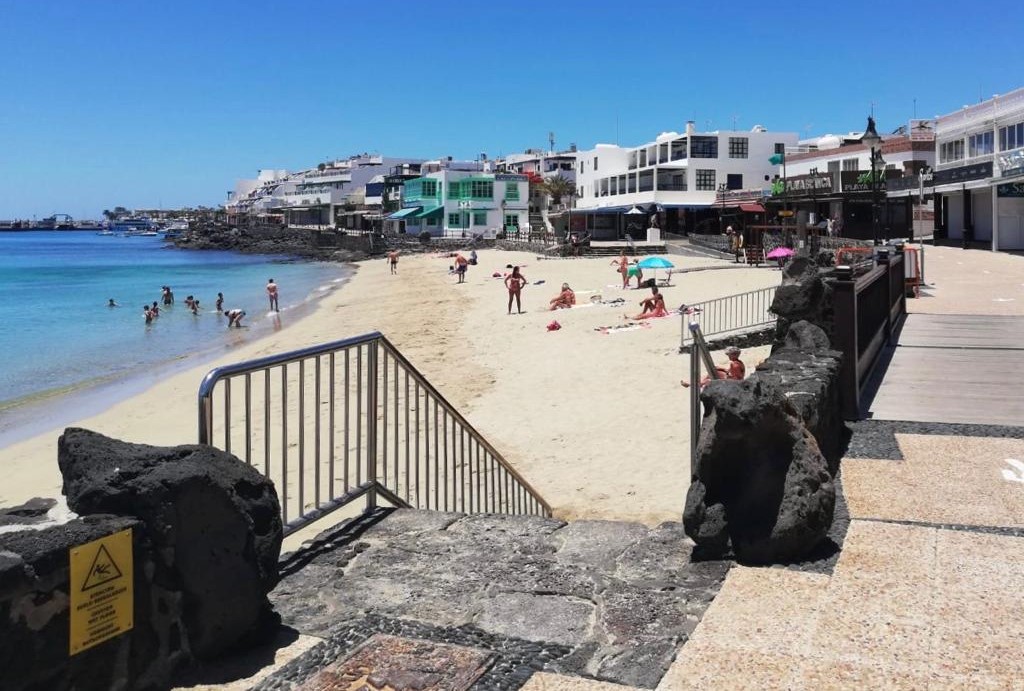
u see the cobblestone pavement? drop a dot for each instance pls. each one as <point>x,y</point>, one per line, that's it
<point>595,599</point>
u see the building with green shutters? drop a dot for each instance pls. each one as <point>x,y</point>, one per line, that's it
<point>457,203</point>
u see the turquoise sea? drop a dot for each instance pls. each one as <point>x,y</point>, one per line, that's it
<point>57,333</point>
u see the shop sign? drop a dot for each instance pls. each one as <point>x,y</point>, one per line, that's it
<point>857,181</point>
<point>978,171</point>
<point>803,184</point>
<point>908,182</point>
<point>1011,189</point>
<point>1012,163</point>
<point>508,177</point>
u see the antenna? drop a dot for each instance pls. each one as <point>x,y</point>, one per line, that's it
<point>915,108</point>
<point>734,118</point>
<point>872,109</point>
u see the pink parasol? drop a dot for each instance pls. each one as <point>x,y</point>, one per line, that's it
<point>779,253</point>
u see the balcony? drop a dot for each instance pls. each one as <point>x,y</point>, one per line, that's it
<point>330,175</point>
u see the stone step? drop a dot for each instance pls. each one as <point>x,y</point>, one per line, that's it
<point>489,600</point>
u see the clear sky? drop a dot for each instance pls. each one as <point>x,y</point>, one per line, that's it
<point>148,103</point>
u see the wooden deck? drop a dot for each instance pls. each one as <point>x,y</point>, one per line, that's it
<point>955,369</point>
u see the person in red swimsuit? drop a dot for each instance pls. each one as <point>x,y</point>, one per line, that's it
<point>565,299</point>
<point>654,306</point>
<point>623,269</point>
<point>515,282</point>
<point>735,370</point>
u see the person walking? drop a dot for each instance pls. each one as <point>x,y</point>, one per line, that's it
<point>272,295</point>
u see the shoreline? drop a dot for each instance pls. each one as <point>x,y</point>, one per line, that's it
<point>43,411</point>
<point>585,415</point>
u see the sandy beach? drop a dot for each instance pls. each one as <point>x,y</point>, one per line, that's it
<point>597,422</point>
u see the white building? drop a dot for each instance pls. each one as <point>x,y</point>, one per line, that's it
<point>544,211</point>
<point>462,203</point>
<point>676,176</point>
<point>979,173</point>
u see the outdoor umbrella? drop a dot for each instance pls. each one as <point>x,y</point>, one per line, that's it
<point>779,253</point>
<point>655,263</point>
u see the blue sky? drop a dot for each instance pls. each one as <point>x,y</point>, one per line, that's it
<point>168,103</point>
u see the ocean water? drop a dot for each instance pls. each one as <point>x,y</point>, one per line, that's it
<point>57,333</point>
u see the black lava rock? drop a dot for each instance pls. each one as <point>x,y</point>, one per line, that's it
<point>214,521</point>
<point>761,482</point>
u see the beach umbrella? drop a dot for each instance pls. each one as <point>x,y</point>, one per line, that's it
<point>655,263</point>
<point>779,253</point>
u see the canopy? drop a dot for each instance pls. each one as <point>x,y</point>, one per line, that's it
<point>636,211</point>
<point>430,210</point>
<point>752,208</point>
<point>408,211</point>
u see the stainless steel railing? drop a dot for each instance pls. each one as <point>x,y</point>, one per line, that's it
<point>350,419</point>
<point>730,314</point>
<point>700,354</point>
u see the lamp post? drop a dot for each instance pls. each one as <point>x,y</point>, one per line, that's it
<point>874,143</point>
<point>722,187</point>
<point>813,216</point>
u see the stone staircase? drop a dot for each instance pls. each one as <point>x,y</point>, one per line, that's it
<point>423,599</point>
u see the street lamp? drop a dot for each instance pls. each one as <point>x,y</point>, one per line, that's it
<point>813,217</point>
<point>874,143</point>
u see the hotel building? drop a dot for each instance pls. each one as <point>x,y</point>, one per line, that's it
<point>978,182</point>
<point>676,176</point>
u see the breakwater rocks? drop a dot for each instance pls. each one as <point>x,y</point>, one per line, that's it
<point>308,244</point>
<point>205,535</point>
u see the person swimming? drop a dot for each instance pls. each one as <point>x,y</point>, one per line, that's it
<point>220,302</point>
<point>112,303</point>
<point>147,314</point>
<point>154,309</point>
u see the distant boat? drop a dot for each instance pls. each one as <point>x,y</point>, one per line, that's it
<point>106,231</point>
<point>133,226</point>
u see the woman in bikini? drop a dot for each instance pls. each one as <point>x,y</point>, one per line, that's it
<point>515,282</point>
<point>654,306</point>
<point>565,299</point>
<point>623,268</point>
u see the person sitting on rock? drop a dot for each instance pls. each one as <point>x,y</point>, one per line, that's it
<point>735,370</point>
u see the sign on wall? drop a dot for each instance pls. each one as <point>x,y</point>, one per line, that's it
<point>922,130</point>
<point>978,171</point>
<point>1011,189</point>
<point>1011,163</point>
<point>101,590</point>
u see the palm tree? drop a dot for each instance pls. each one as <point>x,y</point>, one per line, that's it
<point>557,187</point>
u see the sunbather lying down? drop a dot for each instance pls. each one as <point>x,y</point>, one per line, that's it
<point>563,300</point>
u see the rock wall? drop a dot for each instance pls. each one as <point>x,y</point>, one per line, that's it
<point>34,614</point>
<point>804,295</point>
<point>206,532</point>
<point>768,450</point>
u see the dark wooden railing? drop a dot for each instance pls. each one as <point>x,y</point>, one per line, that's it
<point>868,309</point>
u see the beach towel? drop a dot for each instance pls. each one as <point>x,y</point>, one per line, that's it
<point>622,328</point>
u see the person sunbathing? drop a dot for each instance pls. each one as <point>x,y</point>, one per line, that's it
<point>735,370</point>
<point>654,306</point>
<point>564,300</point>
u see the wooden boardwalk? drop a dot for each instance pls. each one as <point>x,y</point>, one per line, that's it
<point>955,369</point>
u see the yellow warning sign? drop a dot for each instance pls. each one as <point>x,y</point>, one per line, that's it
<point>101,590</point>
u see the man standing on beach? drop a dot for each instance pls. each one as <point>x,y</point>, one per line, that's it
<point>272,294</point>
<point>460,267</point>
<point>393,261</point>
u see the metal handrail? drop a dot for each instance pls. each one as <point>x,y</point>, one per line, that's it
<point>731,313</point>
<point>700,354</point>
<point>468,473</point>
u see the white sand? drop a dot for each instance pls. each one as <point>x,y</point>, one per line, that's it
<point>597,423</point>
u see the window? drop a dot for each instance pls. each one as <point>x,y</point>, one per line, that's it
<point>632,182</point>
<point>454,220</point>
<point>511,220</point>
<point>430,188</point>
<point>679,149</point>
<point>512,191</point>
<point>739,147</point>
<point>631,160</point>
<point>833,167</point>
<point>432,221</point>
<point>454,191</point>
<point>595,162</point>
<point>851,164</point>
<point>951,151</point>
<point>604,187</point>
<point>663,153</point>
<point>479,218</point>
<point>1011,137</point>
<point>622,184</point>
<point>478,189</point>
<point>646,180</point>
<point>705,180</point>
<point>613,186</point>
<point>980,144</point>
<point>734,181</point>
<point>643,158</point>
<point>780,148</point>
<point>704,147</point>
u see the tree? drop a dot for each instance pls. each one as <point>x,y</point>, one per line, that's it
<point>108,214</point>
<point>321,167</point>
<point>557,187</point>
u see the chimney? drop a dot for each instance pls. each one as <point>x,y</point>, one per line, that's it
<point>689,128</point>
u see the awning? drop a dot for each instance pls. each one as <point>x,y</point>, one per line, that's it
<point>429,211</point>
<point>752,208</point>
<point>408,211</point>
